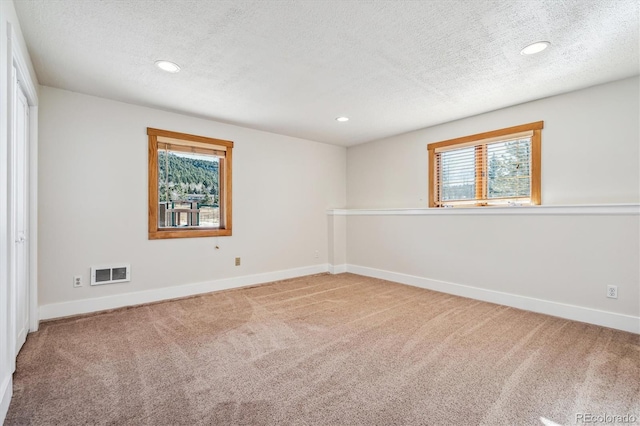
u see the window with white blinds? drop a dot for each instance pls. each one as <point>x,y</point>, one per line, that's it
<point>501,167</point>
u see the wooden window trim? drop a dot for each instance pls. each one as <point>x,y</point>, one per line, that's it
<point>483,138</point>
<point>224,147</point>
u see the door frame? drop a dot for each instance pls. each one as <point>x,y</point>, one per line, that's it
<point>19,267</point>
<point>19,61</point>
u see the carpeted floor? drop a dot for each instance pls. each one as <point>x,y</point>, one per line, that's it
<point>324,350</point>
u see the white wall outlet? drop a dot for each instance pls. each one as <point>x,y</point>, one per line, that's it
<point>612,291</point>
<point>77,281</point>
<point>317,254</point>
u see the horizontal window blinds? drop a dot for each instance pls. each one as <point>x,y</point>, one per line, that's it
<point>457,173</point>
<point>497,167</point>
<point>203,149</point>
<point>485,173</point>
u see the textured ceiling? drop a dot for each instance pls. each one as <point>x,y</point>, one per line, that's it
<point>291,67</point>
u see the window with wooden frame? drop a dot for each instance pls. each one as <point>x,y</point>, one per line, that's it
<point>501,167</point>
<point>189,185</point>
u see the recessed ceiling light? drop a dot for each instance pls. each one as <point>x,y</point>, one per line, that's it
<point>168,66</point>
<point>534,48</point>
<point>342,119</point>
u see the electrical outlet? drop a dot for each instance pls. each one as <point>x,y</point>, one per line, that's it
<point>612,291</point>
<point>317,255</point>
<point>237,261</point>
<point>77,281</point>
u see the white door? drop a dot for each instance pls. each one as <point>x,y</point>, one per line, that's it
<point>19,209</point>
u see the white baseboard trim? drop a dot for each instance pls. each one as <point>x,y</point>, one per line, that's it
<point>577,313</point>
<point>572,312</point>
<point>84,306</point>
<point>338,269</point>
<point>6,391</point>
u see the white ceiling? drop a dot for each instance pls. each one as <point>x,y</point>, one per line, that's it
<point>292,67</point>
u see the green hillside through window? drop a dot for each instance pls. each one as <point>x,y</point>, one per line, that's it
<point>181,176</point>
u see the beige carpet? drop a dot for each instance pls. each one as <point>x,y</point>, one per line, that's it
<point>323,350</point>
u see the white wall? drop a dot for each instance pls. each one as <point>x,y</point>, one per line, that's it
<point>10,38</point>
<point>93,200</point>
<point>568,259</point>
<point>562,259</point>
<point>590,150</point>
<point>337,244</point>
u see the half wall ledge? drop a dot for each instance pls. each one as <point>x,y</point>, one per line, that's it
<point>578,210</point>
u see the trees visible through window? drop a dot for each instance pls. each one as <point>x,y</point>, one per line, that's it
<point>494,168</point>
<point>188,181</point>
<point>189,185</point>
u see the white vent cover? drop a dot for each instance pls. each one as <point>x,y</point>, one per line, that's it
<point>110,274</point>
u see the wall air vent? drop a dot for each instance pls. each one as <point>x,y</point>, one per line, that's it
<point>110,274</point>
